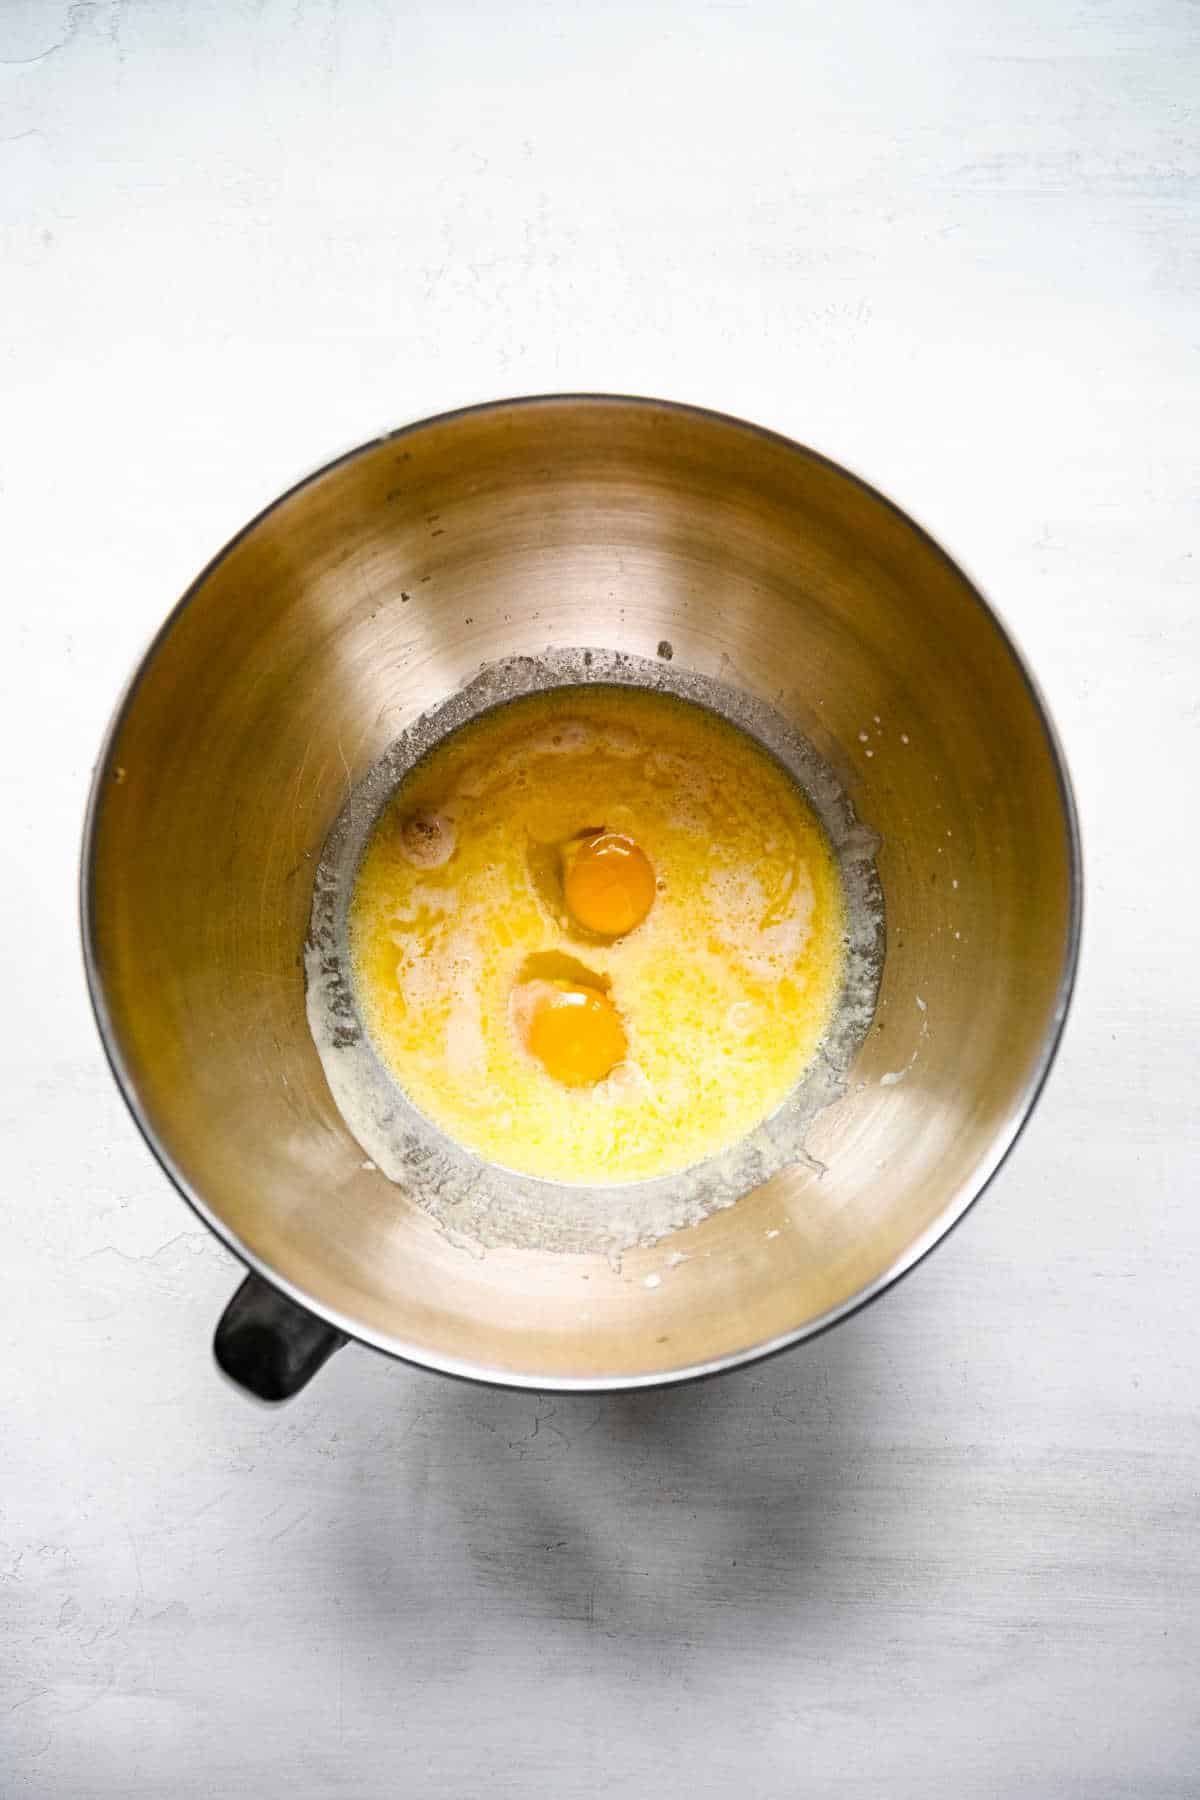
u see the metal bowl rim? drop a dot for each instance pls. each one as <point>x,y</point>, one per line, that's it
<point>950,1216</point>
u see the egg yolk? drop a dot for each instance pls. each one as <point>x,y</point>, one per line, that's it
<point>576,1033</point>
<point>608,884</point>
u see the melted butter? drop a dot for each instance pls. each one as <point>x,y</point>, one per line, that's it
<point>724,990</point>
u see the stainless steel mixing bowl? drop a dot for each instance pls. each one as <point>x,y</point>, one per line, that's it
<point>365,596</point>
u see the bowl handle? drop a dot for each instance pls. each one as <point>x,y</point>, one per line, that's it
<point>268,1344</point>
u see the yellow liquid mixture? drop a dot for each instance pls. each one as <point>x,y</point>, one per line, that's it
<point>532,1037</point>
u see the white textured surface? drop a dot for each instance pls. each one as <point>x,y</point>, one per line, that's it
<point>951,1550</point>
